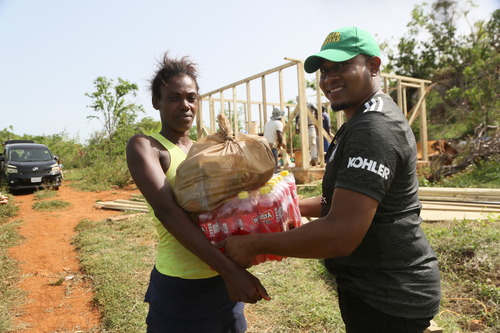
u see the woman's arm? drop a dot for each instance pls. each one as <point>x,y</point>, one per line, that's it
<point>143,159</point>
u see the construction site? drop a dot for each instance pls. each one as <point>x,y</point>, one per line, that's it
<point>248,104</point>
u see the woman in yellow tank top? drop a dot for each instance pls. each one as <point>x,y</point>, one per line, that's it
<point>193,286</point>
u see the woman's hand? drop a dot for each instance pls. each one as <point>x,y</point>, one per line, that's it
<point>243,286</point>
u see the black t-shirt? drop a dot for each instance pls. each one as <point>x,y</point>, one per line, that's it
<point>394,268</point>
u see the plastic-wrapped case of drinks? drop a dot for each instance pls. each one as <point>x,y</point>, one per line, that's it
<point>271,208</point>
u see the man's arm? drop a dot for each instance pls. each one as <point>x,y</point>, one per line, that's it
<point>310,207</point>
<point>337,234</point>
<point>144,165</point>
<point>279,135</point>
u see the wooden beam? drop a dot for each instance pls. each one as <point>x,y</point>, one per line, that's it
<point>404,78</point>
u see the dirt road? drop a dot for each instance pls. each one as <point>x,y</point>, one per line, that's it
<point>58,294</point>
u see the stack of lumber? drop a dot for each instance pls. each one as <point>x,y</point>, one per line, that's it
<point>487,195</point>
<point>438,203</point>
<point>442,203</point>
<point>136,204</point>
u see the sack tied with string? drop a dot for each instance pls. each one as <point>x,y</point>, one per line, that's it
<point>219,166</point>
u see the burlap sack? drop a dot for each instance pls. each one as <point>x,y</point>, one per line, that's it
<point>219,166</point>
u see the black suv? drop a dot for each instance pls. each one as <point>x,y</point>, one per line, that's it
<point>25,164</point>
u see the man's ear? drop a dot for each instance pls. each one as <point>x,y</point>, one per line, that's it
<point>373,64</point>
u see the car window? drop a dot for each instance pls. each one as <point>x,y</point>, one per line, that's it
<point>34,155</point>
<point>16,155</point>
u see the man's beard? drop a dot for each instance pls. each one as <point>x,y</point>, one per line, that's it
<point>338,107</point>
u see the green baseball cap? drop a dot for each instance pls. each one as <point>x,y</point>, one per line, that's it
<point>341,45</point>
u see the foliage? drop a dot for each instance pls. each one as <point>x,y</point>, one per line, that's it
<point>118,116</point>
<point>8,134</point>
<point>147,125</point>
<point>482,174</point>
<point>463,68</point>
<point>109,100</point>
<point>104,174</point>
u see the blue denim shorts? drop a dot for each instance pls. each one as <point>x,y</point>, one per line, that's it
<point>192,305</point>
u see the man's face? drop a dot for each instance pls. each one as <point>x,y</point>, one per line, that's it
<point>347,84</point>
<point>178,103</point>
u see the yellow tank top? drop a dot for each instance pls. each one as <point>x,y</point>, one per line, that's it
<point>172,258</point>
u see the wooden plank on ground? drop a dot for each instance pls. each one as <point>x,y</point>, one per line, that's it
<point>444,206</point>
<point>131,202</point>
<point>123,217</point>
<point>121,206</point>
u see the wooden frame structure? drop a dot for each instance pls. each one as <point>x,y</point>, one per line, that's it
<point>248,108</point>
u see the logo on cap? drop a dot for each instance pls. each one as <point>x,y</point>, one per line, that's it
<point>332,37</point>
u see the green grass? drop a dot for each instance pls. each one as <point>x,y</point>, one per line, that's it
<point>469,256</point>
<point>8,210</point>
<point>45,194</point>
<point>312,190</point>
<point>50,205</point>
<point>303,298</point>
<point>10,296</point>
<point>118,256</point>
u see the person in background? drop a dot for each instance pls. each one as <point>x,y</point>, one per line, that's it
<point>369,231</point>
<point>273,133</point>
<point>59,163</point>
<point>311,133</point>
<point>193,287</point>
<point>327,127</point>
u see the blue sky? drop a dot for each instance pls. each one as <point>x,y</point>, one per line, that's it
<point>52,51</point>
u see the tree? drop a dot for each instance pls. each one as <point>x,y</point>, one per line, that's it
<point>148,125</point>
<point>7,134</point>
<point>464,68</point>
<point>109,101</point>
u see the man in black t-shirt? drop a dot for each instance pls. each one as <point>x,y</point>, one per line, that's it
<point>369,227</point>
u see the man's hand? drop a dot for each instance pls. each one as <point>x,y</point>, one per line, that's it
<point>244,287</point>
<point>238,249</point>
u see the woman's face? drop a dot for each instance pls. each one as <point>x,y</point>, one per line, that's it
<point>178,103</point>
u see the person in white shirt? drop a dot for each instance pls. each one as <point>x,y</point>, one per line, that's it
<point>273,133</point>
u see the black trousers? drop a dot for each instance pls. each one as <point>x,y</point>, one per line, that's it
<point>192,306</point>
<point>359,317</point>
